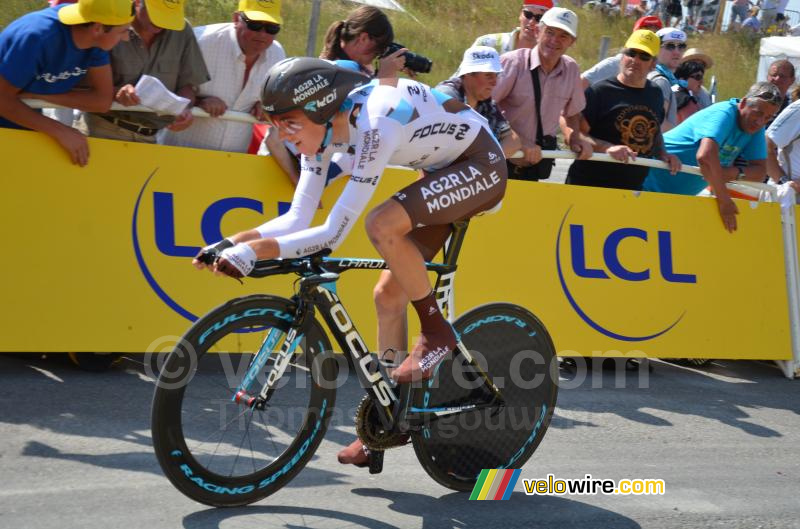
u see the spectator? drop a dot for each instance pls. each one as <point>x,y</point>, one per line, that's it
<point>687,98</point>
<point>238,55</point>
<point>712,139</point>
<point>695,54</point>
<point>48,53</point>
<point>608,68</point>
<point>673,44</point>
<point>769,8</point>
<point>693,8</point>
<point>751,24</point>
<point>473,84</point>
<point>739,11</point>
<point>671,12</point>
<point>558,78</point>
<point>161,44</point>
<point>363,37</point>
<point>781,74</point>
<point>780,27</point>
<point>623,117</point>
<point>522,37</point>
<point>783,144</point>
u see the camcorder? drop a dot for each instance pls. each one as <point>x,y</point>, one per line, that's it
<point>414,62</point>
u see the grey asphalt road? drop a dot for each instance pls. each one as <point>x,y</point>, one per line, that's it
<point>75,452</point>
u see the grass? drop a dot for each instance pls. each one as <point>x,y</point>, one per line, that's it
<point>442,29</point>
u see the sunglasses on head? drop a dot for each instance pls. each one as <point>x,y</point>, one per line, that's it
<point>769,96</point>
<point>671,46</point>
<point>531,15</point>
<point>630,52</point>
<point>255,25</point>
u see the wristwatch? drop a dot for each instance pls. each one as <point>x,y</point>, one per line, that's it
<point>741,174</point>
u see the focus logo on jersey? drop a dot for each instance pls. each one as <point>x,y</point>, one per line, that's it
<point>309,88</point>
<point>458,130</point>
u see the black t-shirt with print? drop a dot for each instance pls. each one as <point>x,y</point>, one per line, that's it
<point>620,115</point>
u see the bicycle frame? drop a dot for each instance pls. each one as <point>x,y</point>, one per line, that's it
<point>317,290</point>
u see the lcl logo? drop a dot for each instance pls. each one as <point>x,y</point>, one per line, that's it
<point>575,235</point>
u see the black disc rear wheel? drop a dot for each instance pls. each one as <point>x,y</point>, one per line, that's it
<point>516,351</point>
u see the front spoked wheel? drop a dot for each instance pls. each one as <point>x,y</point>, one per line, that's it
<point>222,452</point>
<point>515,350</point>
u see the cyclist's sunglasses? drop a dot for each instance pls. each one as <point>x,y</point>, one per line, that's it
<point>671,46</point>
<point>531,15</point>
<point>630,52</point>
<point>255,25</point>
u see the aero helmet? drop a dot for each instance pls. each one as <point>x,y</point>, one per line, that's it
<point>315,86</point>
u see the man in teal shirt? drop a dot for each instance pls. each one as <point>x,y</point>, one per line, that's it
<point>712,139</point>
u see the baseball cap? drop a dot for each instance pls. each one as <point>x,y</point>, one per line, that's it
<point>108,12</point>
<point>544,4</point>
<point>479,59</point>
<point>650,21</point>
<point>671,34</point>
<point>262,10</point>
<point>561,18</point>
<point>167,14</point>
<point>694,54</point>
<point>644,40</point>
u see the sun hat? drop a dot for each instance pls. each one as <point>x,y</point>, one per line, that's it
<point>108,12</point>
<point>479,59</point>
<point>561,18</point>
<point>262,10</point>
<point>694,54</point>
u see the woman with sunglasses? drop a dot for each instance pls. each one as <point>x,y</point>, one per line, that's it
<point>522,37</point>
<point>687,93</point>
<point>323,109</point>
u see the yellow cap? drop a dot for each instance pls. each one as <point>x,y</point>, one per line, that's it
<point>262,10</point>
<point>167,14</point>
<point>108,12</point>
<point>644,40</point>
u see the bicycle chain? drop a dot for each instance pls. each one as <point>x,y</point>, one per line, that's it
<point>371,432</point>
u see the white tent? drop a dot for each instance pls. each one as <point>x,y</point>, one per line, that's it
<point>774,48</point>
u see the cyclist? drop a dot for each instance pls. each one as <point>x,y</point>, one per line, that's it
<point>323,109</point>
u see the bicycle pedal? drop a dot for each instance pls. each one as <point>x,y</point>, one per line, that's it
<point>375,461</point>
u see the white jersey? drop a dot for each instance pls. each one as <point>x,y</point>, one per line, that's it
<point>405,125</point>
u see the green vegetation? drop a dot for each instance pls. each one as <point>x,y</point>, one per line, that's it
<point>442,29</point>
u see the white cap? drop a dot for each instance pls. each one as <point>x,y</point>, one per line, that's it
<point>561,18</point>
<point>671,34</point>
<point>479,59</point>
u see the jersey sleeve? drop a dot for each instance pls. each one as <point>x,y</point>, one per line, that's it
<point>306,197</point>
<point>377,140</point>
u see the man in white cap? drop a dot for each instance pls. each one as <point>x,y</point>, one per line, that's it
<point>473,84</point>
<point>673,45</point>
<point>560,94</point>
<point>161,44</point>
<point>45,54</point>
<point>238,55</point>
<point>522,37</point>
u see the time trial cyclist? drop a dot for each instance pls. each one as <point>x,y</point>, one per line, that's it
<point>323,109</point>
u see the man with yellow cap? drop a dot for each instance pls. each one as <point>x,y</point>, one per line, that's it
<point>622,118</point>
<point>47,53</point>
<point>239,55</point>
<point>162,45</point>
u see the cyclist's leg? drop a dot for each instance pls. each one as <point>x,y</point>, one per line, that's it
<point>473,184</point>
<point>391,303</point>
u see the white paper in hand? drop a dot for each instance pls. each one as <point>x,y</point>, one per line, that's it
<point>155,95</point>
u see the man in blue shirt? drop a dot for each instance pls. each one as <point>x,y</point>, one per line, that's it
<point>712,138</point>
<point>47,54</point>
